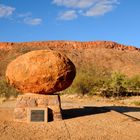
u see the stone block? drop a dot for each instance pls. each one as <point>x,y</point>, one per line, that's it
<point>53,100</point>
<point>31,102</point>
<point>42,102</point>
<point>20,114</point>
<point>28,102</point>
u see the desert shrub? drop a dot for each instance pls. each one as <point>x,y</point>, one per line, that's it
<point>133,84</point>
<point>86,82</point>
<point>6,90</point>
<point>95,82</point>
<point>116,85</point>
<point>137,103</point>
<point>81,85</point>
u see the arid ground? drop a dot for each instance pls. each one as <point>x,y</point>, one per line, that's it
<point>88,118</point>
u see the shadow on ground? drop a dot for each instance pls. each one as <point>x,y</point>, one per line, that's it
<point>90,110</point>
<point>86,110</point>
<point>126,109</point>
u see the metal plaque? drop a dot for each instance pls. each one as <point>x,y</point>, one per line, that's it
<point>37,115</point>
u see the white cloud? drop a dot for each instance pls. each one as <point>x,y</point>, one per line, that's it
<point>68,15</point>
<point>75,3</point>
<point>87,7</point>
<point>24,14</point>
<point>26,18</point>
<point>100,8</point>
<point>32,21</point>
<point>6,10</point>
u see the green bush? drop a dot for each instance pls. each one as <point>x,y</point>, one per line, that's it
<point>6,90</point>
<point>137,103</point>
<point>133,84</point>
<point>108,85</point>
<point>86,82</point>
<point>117,84</point>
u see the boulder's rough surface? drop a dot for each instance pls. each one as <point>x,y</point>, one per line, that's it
<point>42,72</point>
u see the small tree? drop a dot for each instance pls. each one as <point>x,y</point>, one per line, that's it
<point>134,83</point>
<point>117,84</point>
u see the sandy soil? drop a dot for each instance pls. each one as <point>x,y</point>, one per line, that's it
<point>83,119</point>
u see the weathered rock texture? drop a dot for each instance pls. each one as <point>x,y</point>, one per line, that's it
<point>43,72</point>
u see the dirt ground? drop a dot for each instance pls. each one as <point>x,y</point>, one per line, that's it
<point>89,118</point>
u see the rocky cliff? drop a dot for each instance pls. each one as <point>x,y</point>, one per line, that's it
<point>104,55</point>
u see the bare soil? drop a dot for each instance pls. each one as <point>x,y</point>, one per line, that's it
<point>89,118</point>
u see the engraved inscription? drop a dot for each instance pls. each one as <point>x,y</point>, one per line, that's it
<point>37,115</point>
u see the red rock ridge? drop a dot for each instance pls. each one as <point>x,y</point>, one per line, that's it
<point>69,44</point>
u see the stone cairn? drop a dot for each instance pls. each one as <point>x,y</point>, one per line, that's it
<point>38,75</point>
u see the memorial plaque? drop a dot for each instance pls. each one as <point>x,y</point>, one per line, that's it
<point>38,115</point>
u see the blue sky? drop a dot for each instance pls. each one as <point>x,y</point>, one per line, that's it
<point>79,20</point>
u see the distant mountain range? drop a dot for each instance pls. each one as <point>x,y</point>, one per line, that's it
<point>104,55</point>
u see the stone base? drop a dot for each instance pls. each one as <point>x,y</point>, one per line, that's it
<point>28,102</point>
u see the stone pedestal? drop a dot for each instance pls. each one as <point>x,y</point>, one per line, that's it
<point>28,105</point>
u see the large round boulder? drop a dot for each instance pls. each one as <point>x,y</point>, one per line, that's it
<point>41,72</point>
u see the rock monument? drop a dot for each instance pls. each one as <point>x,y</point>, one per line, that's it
<point>39,75</point>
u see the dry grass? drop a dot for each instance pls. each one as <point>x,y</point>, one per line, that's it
<point>2,100</point>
